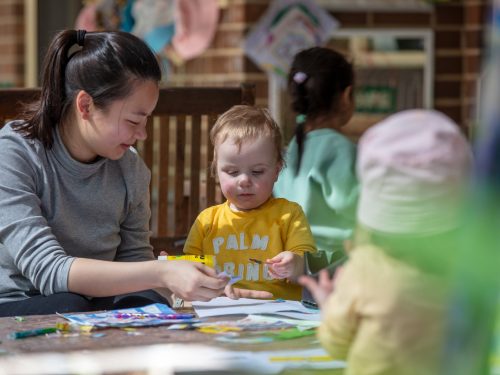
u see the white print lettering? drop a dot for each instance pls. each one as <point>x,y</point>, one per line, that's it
<point>241,242</point>
<point>252,271</point>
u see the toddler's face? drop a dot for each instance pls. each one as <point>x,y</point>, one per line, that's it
<point>247,173</point>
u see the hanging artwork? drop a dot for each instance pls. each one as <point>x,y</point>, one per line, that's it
<point>176,30</point>
<point>287,27</point>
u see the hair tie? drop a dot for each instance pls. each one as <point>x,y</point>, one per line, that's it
<point>300,119</point>
<point>80,37</point>
<point>300,77</point>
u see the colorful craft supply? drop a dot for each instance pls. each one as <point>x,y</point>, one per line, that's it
<point>244,340</point>
<point>208,260</point>
<point>65,327</point>
<point>32,333</point>
<point>232,279</point>
<point>149,315</point>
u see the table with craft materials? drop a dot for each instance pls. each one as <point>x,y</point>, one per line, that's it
<point>144,350</point>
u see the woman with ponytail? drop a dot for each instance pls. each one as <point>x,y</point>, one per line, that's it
<point>74,194</point>
<point>320,160</point>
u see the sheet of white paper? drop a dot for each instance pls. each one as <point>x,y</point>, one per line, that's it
<point>225,306</point>
<point>300,316</point>
<point>305,324</point>
<point>225,301</point>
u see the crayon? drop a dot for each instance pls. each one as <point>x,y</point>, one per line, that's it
<point>32,333</point>
<point>255,260</point>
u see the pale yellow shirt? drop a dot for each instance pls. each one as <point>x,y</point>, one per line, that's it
<point>385,316</point>
<point>235,237</point>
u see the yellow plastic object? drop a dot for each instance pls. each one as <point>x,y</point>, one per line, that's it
<point>208,260</point>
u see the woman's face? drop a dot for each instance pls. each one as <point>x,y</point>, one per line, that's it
<point>110,132</point>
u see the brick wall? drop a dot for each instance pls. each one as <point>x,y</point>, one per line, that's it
<point>11,43</point>
<point>458,27</point>
<point>459,35</point>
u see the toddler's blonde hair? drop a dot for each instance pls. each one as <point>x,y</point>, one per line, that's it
<point>242,123</point>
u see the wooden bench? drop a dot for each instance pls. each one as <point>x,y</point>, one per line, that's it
<point>177,151</point>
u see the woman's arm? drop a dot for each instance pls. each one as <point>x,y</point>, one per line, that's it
<point>188,280</point>
<point>33,253</point>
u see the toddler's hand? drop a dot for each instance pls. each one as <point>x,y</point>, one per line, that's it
<point>285,265</point>
<point>322,288</point>
<point>236,293</point>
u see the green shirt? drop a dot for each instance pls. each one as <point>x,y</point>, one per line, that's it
<point>326,185</point>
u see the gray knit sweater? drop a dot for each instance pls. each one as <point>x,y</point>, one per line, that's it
<point>54,208</point>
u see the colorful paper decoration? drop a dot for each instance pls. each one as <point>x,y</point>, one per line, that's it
<point>287,27</point>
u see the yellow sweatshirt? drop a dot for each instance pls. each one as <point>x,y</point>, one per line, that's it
<point>384,316</point>
<point>236,237</point>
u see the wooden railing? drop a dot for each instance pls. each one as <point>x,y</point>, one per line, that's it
<point>177,150</point>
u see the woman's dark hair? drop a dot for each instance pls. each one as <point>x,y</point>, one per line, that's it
<point>106,65</point>
<point>317,78</point>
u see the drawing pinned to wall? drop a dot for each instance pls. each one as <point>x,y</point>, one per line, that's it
<point>287,27</point>
<point>154,22</point>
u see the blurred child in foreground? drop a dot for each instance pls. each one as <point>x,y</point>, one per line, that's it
<point>387,311</point>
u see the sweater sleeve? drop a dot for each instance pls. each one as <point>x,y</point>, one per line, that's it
<point>134,229</point>
<point>339,316</point>
<point>30,242</point>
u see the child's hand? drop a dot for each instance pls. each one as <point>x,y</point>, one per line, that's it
<point>285,265</point>
<point>235,293</point>
<point>321,289</point>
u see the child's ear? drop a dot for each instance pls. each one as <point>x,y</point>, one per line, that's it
<point>84,104</point>
<point>347,96</point>
<point>279,167</point>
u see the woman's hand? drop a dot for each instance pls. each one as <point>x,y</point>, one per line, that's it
<point>191,281</point>
<point>286,265</point>
<point>322,288</point>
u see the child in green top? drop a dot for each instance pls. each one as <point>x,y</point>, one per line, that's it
<point>320,159</point>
